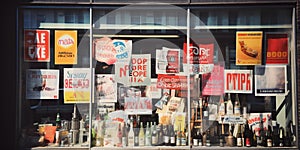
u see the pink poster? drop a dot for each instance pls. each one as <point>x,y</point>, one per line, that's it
<point>138,105</point>
<point>212,83</point>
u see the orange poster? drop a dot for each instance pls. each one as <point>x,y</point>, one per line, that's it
<point>65,47</point>
<point>249,47</point>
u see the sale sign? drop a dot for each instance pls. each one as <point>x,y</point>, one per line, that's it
<point>137,72</point>
<point>238,81</point>
<point>213,82</point>
<point>65,47</point>
<point>176,82</point>
<point>77,85</point>
<point>37,45</point>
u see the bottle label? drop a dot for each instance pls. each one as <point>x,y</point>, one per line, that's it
<point>200,142</point>
<point>195,142</point>
<point>239,141</point>
<point>205,113</point>
<point>141,141</point>
<point>178,141</point>
<point>183,141</point>
<point>172,140</point>
<point>269,142</point>
<point>154,140</point>
<point>166,139</point>
<point>248,142</point>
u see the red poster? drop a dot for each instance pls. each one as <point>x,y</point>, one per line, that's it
<point>277,49</point>
<point>173,61</point>
<point>37,45</point>
<point>171,82</point>
<point>213,82</point>
<point>206,53</point>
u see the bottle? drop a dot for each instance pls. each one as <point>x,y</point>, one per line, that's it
<point>194,134</point>
<point>221,106</point>
<point>287,140</point>
<point>221,138</point>
<point>119,135</point>
<point>183,137</point>
<point>166,135</point>
<point>200,137</point>
<point>154,136</point>
<point>205,110</point>
<point>229,106</point>
<point>281,137</point>
<point>141,135</point>
<point>275,137</point>
<point>178,137</point>
<point>269,136</point>
<point>247,135</point>
<point>131,136</point>
<point>172,135</point>
<point>237,107</point>
<point>254,139</point>
<point>293,134</point>
<point>239,137</point>
<point>199,108</point>
<point>58,128</point>
<point>124,135</point>
<point>148,135</point>
<point>208,138</point>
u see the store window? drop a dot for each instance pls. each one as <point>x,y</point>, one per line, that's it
<point>159,76</point>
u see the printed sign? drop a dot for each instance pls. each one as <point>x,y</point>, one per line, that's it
<point>42,84</point>
<point>171,82</point>
<point>123,49</point>
<point>137,73</point>
<point>238,81</point>
<point>138,105</point>
<point>167,61</point>
<point>254,120</point>
<point>249,47</point>
<point>37,45</point>
<point>270,80</point>
<point>104,51</point>
<point>106,88</point>
<point>65,47</point>
<point>277,48</point>
<point>152,91</point>
<point>77,85</point>
<point>213,82</point>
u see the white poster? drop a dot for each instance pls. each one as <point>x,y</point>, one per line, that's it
<point>238,81</point>
<point>135,73</point>
<point>42,84</point>
<point>106,88</point>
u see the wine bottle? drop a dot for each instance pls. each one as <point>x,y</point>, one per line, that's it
<point>239,137</point>
<point>183,138</point>
<point>178,136</point>
<point>159,129</point>
<point>148,135</point>
<point>281,137</point>
<point>221,106</point>
<point>131,136</point>
<point>221,138</point>
<point>229,106</point>
<point>247,135</point>
<point>293,134</point>
<point>254,139</point>
<point>124,135</point>
<point>154,136</point>
<point>141,135</point>
<point>172,135</point>
<point>269,136</point>
<point>166,135</point>
<point>194,134</point>
<point>208,138</point>
<point>275,137</point>
<point>237,107</point>
<point>119,135</point>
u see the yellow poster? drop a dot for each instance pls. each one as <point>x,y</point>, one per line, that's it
<point>249,47</point>
<point>65,47</point>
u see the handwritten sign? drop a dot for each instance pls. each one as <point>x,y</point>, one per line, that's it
<point>171,82</point>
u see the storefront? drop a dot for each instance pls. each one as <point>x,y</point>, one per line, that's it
<point>180,75</point>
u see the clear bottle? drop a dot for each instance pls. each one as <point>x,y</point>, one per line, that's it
<point>148,135</point>
<point>119,135</point>
<point>124,135</point>
<point>131,136</point>
<point>229,106</point>
<point>154,135</point>
<point>172,135</point>
<point>166,135</point>
<point>183,138</point>
<point>239,137</point>
<point>237,106</point>
<point>141,135</point>
<point>221,106</point>
<point>178,137</point>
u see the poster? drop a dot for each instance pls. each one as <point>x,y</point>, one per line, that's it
<point>135,73</point>
<point>36,45</point>
<point>254,120</point>
<point>270,80</point>
<point>174,82</point>
<point>106,88</point>
<point>167,61</point>
<point>249,47</point>
<point>77,85</point>
<point>42,84</point>
<point>138,105</point>
<point>111,51</point>
<point>238,81</point>
<point>212,83</point>
<point>65,47</point>
<point>277,48</point>
<point>152,91</point>
<point>201,58</point>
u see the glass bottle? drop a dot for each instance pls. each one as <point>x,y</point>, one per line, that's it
<point>178,137</point>
<point>208,138</point>
<point>281,137</point>
<point>221,106</point>
<point>131,136</point>
<point>119,135</point>
<point>247,135</point>
<point>141,135</point>
<point>166,135</point>
<point>237,106</point>
<point>148,135</point>
<point>183,138</point>
<point>124,135</point>
<point>269,136</point>
<point>229,106</point>
<point>172,135</point>
<point>154,136</point>
<point>239,137</point>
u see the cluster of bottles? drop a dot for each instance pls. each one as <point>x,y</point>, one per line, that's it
<point>245,136</point>
<point>135,133</point>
